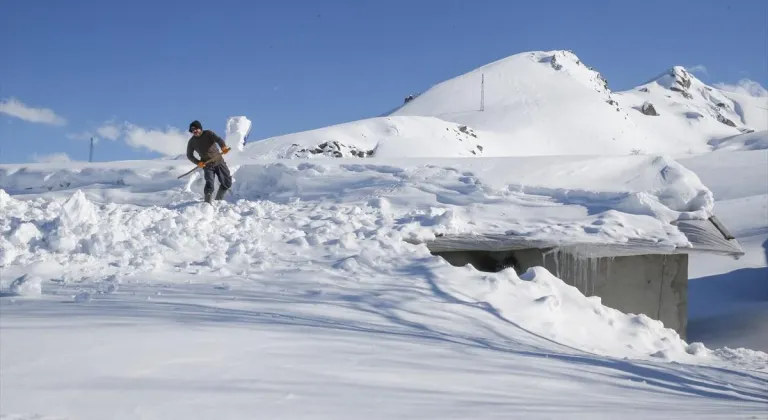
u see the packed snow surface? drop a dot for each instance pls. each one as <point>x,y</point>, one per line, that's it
<point>299,297</point>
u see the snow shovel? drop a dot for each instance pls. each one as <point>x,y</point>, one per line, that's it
<point>213,159</point>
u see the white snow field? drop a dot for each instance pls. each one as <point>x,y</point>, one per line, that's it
<point>303,294</point>
<point>298,297</point>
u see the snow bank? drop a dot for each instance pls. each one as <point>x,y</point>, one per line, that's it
<point>757,140</point>
<point>349,246</point>
<point>375,137</point>
<point>360,211</point>
<point>587,198</point>
<point>539,302</point>
<point>307,261</point>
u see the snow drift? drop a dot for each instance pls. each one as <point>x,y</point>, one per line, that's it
<point>376,137</point>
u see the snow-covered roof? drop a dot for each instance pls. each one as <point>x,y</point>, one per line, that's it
<point>643,202</point>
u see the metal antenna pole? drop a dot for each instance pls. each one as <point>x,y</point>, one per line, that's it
<point>482,92</point>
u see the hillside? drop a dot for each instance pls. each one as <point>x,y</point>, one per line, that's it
<point>383,137</point>
<point>538,103</point>
<point>682,110</point>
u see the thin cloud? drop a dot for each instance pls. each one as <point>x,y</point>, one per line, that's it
<point>169,142</point>
<point>84,135</point>
<point>745,87</point>
<point>52,158</point>
<point>109,131</point>
<point>699,68</point>
<point>15,108</point>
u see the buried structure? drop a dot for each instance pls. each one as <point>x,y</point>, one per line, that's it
<point>635,277</point>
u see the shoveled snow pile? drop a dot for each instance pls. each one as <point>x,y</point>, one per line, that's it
<point>303,287</point>
<point>345,222</point>
<point>237,131</point>
<point>347,249</point>
<point>384,137</point>
<point>629,197</point>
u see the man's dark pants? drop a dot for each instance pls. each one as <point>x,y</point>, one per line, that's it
<point>219,170</point>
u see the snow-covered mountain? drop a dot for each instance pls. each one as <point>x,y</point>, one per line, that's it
<point>681,110</point>
<point>539,103</point>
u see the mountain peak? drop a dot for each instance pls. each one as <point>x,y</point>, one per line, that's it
<point>676,78</point>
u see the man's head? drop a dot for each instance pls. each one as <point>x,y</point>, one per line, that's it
<point>196,128</point>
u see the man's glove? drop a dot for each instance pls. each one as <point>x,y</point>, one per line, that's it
<point>201,164</point>
<point>224,150</point>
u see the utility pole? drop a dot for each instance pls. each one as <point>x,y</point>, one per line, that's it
<point>482,92</point>
<point>90,154</point>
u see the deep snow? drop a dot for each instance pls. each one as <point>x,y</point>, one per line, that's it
<point>299,297</point>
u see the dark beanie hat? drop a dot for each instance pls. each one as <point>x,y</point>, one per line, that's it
<point>195,124</point>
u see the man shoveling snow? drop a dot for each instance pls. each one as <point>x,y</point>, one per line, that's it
<point>211,160</point>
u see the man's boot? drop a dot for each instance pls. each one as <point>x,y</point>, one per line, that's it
<point>208,196</point>
<point>221,193</point>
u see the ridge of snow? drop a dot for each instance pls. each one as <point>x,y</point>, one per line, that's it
<point>345,241</point>
<point>757,140</point>
<point>381,137</point>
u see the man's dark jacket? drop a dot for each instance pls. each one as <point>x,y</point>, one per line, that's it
<point>205,146</point>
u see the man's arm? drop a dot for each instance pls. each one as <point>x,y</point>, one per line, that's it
<point>218,140</point>
<point>191,154</point>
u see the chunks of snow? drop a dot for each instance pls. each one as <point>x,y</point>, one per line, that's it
<point>27,285</point>
<point>78,210</point>
<point>237,131</point>
<point>24,234</point>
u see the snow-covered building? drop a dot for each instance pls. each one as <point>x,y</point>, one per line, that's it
<point>638,276</point>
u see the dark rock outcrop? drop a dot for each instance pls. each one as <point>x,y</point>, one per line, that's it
<point>330,149</point>
<point>468,131</point>
<point>555,65</point>
<point>648,109</point>
<point>725,121</point>
<point>682,92</point>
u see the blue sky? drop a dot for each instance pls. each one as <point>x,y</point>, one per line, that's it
<point>70,68</point>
